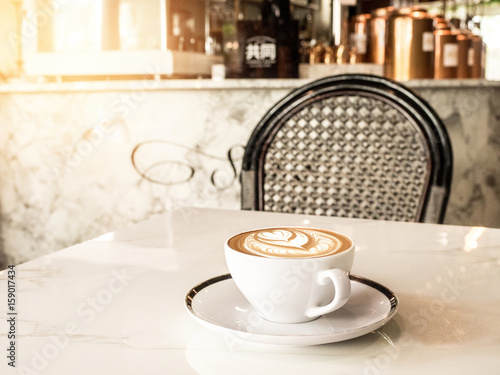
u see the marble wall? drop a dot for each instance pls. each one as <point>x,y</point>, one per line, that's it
<point>67,173</point>
<point>471,113</point>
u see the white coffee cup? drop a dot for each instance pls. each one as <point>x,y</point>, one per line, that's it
<point>291,274</point>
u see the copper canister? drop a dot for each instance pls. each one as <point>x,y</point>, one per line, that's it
<point>446,54</point>
<point>409,53</point>
<point>317,53</point>
<point>358,37</point>
<point>438,20</point>
<point>478,56</point>
<point>376,34</point>
<point>465,55</point>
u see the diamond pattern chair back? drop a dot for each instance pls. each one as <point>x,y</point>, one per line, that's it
<point>352,145</point>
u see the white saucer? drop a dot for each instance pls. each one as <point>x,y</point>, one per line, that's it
<point>219,305</point>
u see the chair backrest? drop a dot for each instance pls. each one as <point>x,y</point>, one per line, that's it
<point>352,145</point>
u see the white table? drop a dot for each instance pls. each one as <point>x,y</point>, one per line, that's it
<point>115,305</point>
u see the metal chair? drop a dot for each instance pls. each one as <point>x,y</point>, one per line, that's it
<point>351,145</point>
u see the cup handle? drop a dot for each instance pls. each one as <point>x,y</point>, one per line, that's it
<point>342,284</point>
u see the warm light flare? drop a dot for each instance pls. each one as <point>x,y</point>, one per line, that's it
<point>470,239</point>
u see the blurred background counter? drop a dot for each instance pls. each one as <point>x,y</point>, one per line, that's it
<point>66,152</point>
<point>405,39</point>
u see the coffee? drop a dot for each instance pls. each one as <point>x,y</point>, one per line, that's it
<point>307,268</point>
<point>290,242</point>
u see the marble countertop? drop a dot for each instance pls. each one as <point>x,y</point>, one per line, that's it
<point>114,305</point>
<point>24,86</point>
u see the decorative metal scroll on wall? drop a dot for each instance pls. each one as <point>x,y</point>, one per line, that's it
<point>151,159</point>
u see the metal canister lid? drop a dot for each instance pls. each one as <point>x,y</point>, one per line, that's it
<point>417,12</point>
<point>444,31</point>
<point>361,17</point>
<point>463,35</point>
<point>439,19</point>
<point>442,26</point>
<point>413,12</point>
<point>382,12</point>
<point>401,12</point>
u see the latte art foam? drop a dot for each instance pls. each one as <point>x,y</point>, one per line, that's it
<point>290,242</point>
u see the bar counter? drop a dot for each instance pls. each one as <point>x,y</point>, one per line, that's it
<point>66,161</point>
